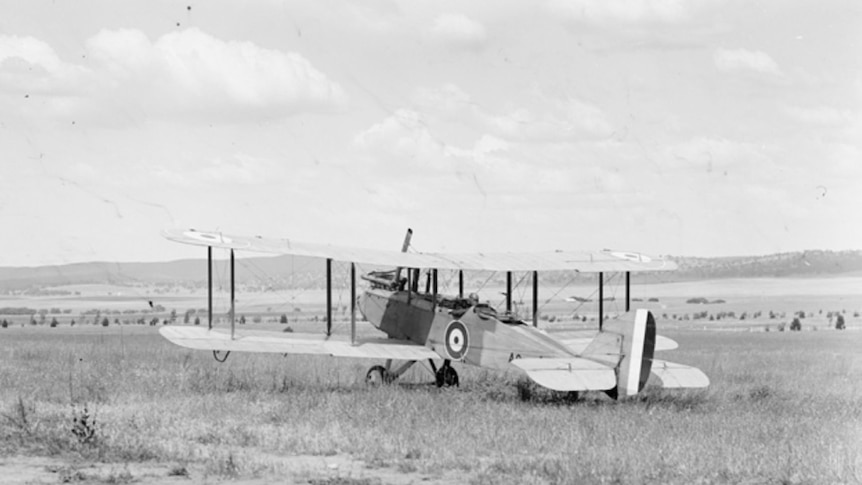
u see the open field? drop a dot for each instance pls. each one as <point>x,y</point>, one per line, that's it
<point>782,408</point>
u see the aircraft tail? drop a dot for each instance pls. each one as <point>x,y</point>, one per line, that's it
<point>629,347</point>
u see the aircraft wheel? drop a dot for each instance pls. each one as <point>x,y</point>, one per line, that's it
<point>377,375</point>
<point>446,376</point>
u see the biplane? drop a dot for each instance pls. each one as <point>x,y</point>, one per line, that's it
<point>420,324</point>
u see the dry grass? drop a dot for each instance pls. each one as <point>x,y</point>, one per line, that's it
<point>783,408</point>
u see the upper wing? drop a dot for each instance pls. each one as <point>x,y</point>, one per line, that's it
<point>295,343</point>
<point>587,261</point>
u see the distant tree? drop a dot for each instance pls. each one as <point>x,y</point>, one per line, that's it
<point>4,323</point>
<point>187,316</point>
<point>73,322</point>
<point>54,322</point>
<point>795,325</point>
<point>105,322</point>
<point>173,315</point>
<point>839,322</point>
<point>242,319</point>
<point>256,319</point>
<point>197,320</point>
<point>283,319</point>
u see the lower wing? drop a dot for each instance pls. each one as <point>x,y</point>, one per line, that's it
<point>295,343</point>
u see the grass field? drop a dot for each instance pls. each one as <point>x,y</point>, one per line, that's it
<point>119,404</point>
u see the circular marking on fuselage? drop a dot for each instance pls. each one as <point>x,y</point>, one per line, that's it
<point>631,256</point>
<point>457,340</point>
<point>207,237</point>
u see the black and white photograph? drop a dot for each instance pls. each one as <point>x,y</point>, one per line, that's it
<point>399,242</point>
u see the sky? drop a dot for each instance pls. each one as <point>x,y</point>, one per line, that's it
<point>698,128</point>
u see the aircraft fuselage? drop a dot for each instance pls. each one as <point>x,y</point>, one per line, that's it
<point>469,334</point>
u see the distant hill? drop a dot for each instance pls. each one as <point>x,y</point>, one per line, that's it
<point>804,263</point>
<point>299,272</point>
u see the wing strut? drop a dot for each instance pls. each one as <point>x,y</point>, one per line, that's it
<point>352,303</point>
<point>210,287</point>
<point>628,289</point>
<point>601,299</point>
<point>535,298</point>
<point>509,291</point>
<point>434,289</point>
<point>328,296</point>
<point>232,297</point>
<point>460,283</point>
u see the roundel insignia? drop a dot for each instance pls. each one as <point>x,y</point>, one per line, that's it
<point>457,340</point>
<point>631,256</point>
<point>207,237</point>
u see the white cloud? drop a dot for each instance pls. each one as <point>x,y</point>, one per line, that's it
<point>458,30</point>
<point>30,50</point>
<point>546,120</point>
<point>565,120</point>
<point>742,59</point>
<point>31,65</point>
<point>193,72</point>
<point>820,115</point>
<point>186,74</point>
<point>405,135</point>
<point>624,11</point>
<point>710,155</point>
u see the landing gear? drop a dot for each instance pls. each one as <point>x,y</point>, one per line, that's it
<point>219,357</point>
<point>378,375</point>
<point>446,376</point>
<point>385,374</point>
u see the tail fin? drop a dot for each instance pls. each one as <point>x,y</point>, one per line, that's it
<point>629,347</point>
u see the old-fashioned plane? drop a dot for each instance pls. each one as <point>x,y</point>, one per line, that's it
<point>618,358</point>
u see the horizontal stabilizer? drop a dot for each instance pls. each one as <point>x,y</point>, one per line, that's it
<point>664,343</point>
<point>672,374</point>
<point>579,344</point>
<point>295,343</point>
<point>568,374</point>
